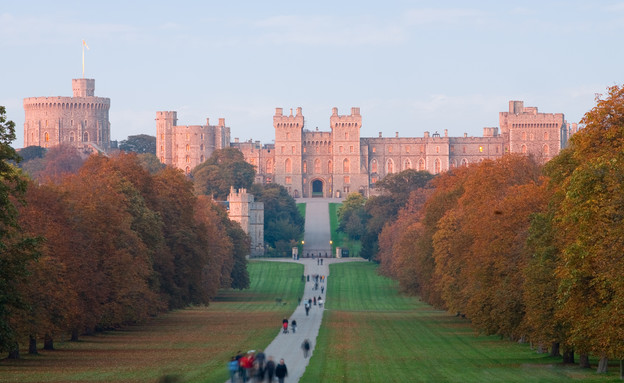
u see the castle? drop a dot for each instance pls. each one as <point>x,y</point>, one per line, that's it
<point>313,163</point>
<point>309,163</point>
<point>81,120</point>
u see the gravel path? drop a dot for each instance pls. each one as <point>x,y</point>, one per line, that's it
<point>288,346</point>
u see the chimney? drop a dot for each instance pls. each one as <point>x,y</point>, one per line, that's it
<point>396,134</point>
<point>379,134</point>
<point>222,122</point>
<point>445,132</point>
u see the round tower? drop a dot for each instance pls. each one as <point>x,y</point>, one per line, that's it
<point>81,120</point>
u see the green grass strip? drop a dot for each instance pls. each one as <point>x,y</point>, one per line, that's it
<point>370,333</point>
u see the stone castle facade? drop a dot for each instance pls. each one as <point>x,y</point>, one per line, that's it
<point>81,121</point>
<point>250,215</point>
<point>312,163</point>
<point>186,146</point>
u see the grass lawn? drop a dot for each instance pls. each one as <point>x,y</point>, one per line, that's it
<point>370,333</point>
<point>340,239</point>
<point>193,344</point>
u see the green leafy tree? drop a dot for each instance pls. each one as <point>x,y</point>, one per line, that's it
<point>224,169</point>
<point>141,143</point>
<point>16,250</point>
<point>31,152</point>
<point>283,224</point>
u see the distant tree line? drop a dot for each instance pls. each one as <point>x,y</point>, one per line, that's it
<point>525,251</point>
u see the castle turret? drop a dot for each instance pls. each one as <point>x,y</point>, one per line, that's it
<point>288,150</point>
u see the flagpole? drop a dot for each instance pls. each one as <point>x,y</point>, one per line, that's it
<point>83,45</point>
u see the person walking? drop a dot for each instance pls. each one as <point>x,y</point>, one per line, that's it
<point>233,367</point>
<point>307,308</point>
<point>285,326</point>
<point>293,324</point>
<point>270,369</point>
<point>281,371</point>
<point>306,346</point>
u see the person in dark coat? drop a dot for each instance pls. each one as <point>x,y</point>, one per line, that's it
<point>270,369</point>
<point>281,371</point>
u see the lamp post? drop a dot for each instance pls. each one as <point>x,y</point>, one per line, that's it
<point>331,247</point>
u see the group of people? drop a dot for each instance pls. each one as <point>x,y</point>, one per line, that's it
<point>252,367</point>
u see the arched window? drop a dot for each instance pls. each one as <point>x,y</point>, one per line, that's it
<point>85,136</point>
<point>437,166</point>
<point>421,164</point>
<point>389,167</point>
<point>464,162</point>
<point>408,165</point>
<point>188,159</point>
<point>269,166</point>
<point>524,149</point>
<point>305,167</point>
<point>188,147</point>
<point>546,150</point>
<point>545,136</point>
<point>201,158</point>
<point>72,137</point>
<point>523,136</point>
<point>374,166</point>
<point>201,147</point>
<point>345,166</point>
<point>188,170</point>
<point>46,136</point>
<point>317,166</point>
<point>531,136</point>
<point>329,167</point>
<point>288,165</point>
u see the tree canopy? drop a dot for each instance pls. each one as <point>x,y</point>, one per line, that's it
<point>225,168</point>
<point>141,143</point>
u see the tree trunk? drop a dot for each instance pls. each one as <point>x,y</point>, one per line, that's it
<point>584,361</point>
<point>74,335</point>
<point>14,351</point>
<point>568,355</point>
<point>48,342</point>
<point>554,349</point>
<point>32,345</point>
<point>540,349</point>
<point>621,369</point>
<point>603,365</point>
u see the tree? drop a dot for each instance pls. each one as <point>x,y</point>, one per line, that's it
<point>283,224</point>
<point>16,250</point>
<point>141,143</point>
<point>224,169</point>
<point>351,215</point>
<point>31,152</point>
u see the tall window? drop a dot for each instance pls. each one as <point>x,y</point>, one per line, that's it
<point>524,149</point>
<point>72,137</point>
<point>317,166</point>
<point>464,162</point>
<point>305,167</point>
<point>421,164</point>
<point>288,165</point>
<point>46,137</point>
<point>188,147</point>
<point>546,150</point>
<point>347,179</point>
<point>288,180</point>
<point>390,167</point>
<point>374,166</point>
<point>269,166</point>
<point>345,166</point>
<point>408,165</point>
<point>85,137</point>
<point>545,136</point>
<point>329,167</point>
<point>523,136</point>
<point>437,166</point>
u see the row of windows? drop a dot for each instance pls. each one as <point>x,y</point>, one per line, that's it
<point>72,137</point>
<point>532,137</point>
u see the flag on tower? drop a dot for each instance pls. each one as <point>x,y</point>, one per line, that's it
<point>84,43</point>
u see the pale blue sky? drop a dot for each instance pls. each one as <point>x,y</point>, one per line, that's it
<point>411,66</point>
